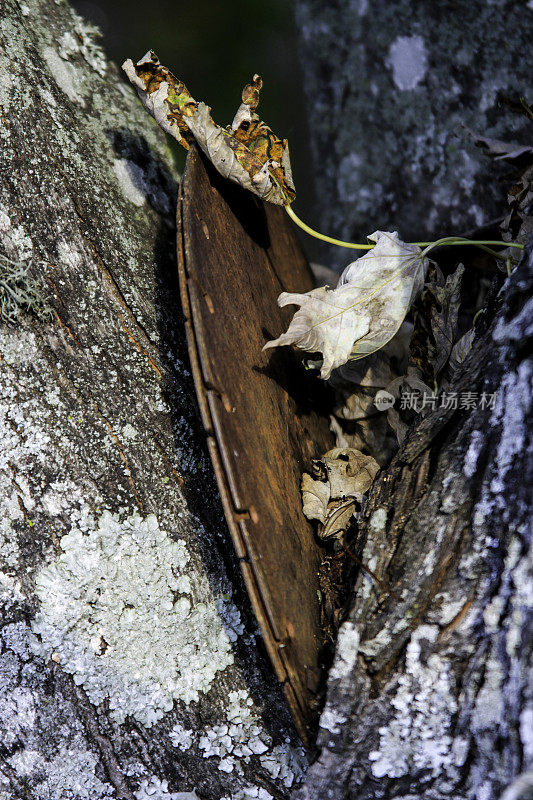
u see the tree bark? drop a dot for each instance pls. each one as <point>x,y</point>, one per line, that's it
<point>390,87</point>
<point>130,665</point>
<point>430,693</point>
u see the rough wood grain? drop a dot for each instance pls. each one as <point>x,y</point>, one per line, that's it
<point>261,412</point>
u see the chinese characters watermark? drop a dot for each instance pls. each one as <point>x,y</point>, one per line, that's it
<point>447,400</point>
<point>418,401</point>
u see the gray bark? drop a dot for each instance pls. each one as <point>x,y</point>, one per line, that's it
<point>430,692</point>
<point>130,666</point>
<point>117,673</point>
<point>389,87</point>
<point>429,695</point>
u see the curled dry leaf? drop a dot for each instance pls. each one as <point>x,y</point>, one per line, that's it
<point>498,150</point>
<point>461,349</point>
<point>315,496</point>
<point>444,314</point>
<point>344,475</point>
<point>366,309</point>
<point>247,152</point>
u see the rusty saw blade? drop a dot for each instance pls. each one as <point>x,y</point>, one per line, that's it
<point>236,254</point>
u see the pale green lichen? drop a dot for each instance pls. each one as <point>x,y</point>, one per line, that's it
<point>419,737</point>
<point>110,616</point>
<point>153,788</point>
<point>242,737</point>
<point>20,292</point>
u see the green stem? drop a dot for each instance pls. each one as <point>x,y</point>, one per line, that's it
<point>322,236</point>
<point>444,242</point>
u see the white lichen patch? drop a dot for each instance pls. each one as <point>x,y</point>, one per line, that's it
<point>10,512</point>
<point>379,519</point>
<point>21,244</point>
<point>516,392</point>
<point>181,737</point>
<point>131,180</point>
<point>5,221</point>
<point>419,736</point>
<point>242,737</point>
<point>249,793</point>
<point>112,614</point>
<point>230,617</point>
<point>21,442</point>
<point>7,83</point>
<point>472,454</point>
<point>71,776</point>
<point>11,594</point>
<point>82,40</point>
<point>408,61</point>
<point>65,75</point>
<point>153,788</point>
<point>129,433</point>
<point>346,652</point>
<point>65,769</point>
<point>373,646</point>
<point>332,720</point>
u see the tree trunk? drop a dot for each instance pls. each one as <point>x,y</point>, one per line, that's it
<point>430,693</point>
<point>130,665</point>
<point>390,87</point>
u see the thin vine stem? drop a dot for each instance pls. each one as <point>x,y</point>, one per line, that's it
<point>447,241</point>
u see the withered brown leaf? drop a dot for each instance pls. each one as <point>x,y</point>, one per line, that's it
<point>247,152</point>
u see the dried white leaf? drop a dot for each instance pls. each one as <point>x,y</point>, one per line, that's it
<point>315,496</point>
<point>366,309</point>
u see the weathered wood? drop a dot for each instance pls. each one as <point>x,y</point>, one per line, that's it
<point>237,254</point>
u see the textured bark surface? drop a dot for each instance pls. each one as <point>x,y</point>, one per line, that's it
<point>130,666</point>
<point>430,693</point>
<point>389,86</point>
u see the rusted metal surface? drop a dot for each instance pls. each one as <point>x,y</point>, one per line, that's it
<point>236,254</point>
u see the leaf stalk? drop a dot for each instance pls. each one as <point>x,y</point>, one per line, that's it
<point>446,241</point>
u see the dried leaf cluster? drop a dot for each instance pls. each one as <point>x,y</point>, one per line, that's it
<point>369,348</point>
<point>247,152</point>
<point>424,355</point>
<point>341,478</point>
